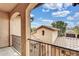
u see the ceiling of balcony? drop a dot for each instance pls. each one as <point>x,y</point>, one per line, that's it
<point>7,7</point>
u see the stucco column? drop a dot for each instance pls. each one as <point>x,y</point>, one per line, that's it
<point>25,33</point>
<point>28,26</point>
<point>28,32</point>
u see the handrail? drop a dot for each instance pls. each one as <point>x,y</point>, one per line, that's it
<point>53,45</point>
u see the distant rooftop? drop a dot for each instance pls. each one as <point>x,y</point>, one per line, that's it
<point>48,27</point>
<point>70,32</point>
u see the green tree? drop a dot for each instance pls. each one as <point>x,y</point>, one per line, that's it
<point>60,25</point>
<point>32,19</point>
<point>76,29</point>
<point>33,29</point>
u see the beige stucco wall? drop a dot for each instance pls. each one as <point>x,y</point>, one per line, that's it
<point>15,26</point>
<point>48,37</point>
<point>4,29</point>
<point>54,36</point>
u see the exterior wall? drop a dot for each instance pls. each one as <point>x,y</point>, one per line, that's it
<point>4,29</point>
<point>46,38</point>
<point>54,36</point>
<point>15,27</point>
<point>24,10</point>
<point>49,37</point>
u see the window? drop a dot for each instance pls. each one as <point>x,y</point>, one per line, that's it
<point>43,33</point>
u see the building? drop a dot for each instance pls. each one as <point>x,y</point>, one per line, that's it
<point>8,12</point>
<point>45,34</point>
<point>50,36</point>
<point>71,33</point>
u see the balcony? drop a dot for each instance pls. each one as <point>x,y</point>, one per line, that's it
<point>38,48</point>
<point>25,46</point>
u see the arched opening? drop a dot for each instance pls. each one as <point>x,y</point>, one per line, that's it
<point>15,31</point>
<point>28,26</point>
<point>58,16</point>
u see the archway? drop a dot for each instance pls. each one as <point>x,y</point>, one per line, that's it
<point>55,15</point>
<point>15,31</point>
<point>25,28</point>
<point>28,26</point>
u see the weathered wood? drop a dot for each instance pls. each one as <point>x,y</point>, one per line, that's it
<point>16,42</point>
<point>46,49</point>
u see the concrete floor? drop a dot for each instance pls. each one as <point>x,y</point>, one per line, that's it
<point>8,51</point>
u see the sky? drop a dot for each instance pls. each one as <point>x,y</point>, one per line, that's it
<point>48,13</point>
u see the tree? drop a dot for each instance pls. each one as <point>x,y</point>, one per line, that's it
<point>32,19</point>
<point>60,25</point>
<point>33,29</point>
<point>76,29</point>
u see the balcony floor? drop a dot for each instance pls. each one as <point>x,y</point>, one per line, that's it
<point>8,51</point>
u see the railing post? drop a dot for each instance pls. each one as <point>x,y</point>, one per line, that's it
<point>49,50</point>
<point>57,51</point>
<point>46,49</point>
<point>39,50</point>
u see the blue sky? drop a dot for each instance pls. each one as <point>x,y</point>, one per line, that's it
<point>48,13</point>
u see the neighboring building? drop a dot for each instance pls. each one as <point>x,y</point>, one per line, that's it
<point>50,35</point>
<point>45,34</point>
<point>71,33</point>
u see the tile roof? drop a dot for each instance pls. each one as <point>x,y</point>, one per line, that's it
<point>67,42</point>
<point>48,27</point>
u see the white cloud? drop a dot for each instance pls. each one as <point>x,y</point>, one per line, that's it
<point>67,5</point>
<point>76,14</point>
<point>50,5</point>
<point>32,15</point>
<point>58,6</point>
<point>74,17</point>
<point>47,20</point>
<point>77,23</point>
<point>45,10</point>
<point>61,13</point>
<point>34,23</point>
<point>70,18</point>
<point>70,24</point>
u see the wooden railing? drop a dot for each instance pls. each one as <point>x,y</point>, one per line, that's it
<point>38,48</point>
<point>16,42</point>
